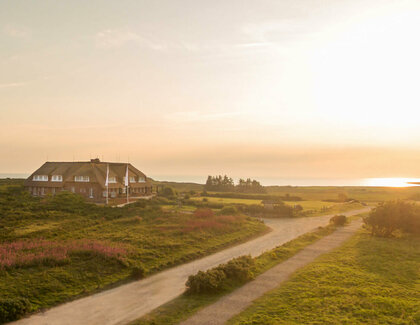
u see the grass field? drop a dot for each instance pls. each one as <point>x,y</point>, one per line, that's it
<point>369,280</point>
<point>361,193</point>
<point>149,238</point>
<point>187,304</point>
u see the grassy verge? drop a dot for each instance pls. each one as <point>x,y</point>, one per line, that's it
<point>369,280</point>
<point>187,304</point>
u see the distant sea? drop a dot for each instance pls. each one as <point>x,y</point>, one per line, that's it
<point>270,181</point>
<point>14,175</point>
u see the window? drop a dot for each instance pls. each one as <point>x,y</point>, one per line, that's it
<point>132,179</point>
<point>73,189</point>
<point>82,190</point>
<point>91,192</point>
<point>53,190</point>
<point>42,191</point>
<point>81,178</point>
<point>56,178</point>
<point>40,178</point>
<point>112,179</point>
<point>141,179</point>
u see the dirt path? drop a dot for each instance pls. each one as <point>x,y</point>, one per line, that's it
<point>130,301</point>
<point>227,307</point>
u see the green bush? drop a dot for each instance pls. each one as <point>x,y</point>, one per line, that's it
<point>168,192</point>
<point>217,279</point>
<point>391,216</point>
<point>12,309</point>
<point>239,269</point>
<point>338,220</point>
<point>138,272</point>
<point>206,282</point>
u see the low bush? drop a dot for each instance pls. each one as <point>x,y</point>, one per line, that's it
<point>237,270</point>
<point>138,272</point>
<point>338,220</point>
<point>210,281</point>
<point>12,309</point>
<point>167,192</point>
<point>389,217</point>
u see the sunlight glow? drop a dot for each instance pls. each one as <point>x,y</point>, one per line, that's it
<point>391,182</point>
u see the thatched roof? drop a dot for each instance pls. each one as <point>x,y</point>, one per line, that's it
<point>94,169</point>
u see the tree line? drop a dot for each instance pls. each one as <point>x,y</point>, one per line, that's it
<point>225,183</point>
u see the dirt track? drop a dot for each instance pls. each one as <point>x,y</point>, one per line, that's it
<point>133,300</point>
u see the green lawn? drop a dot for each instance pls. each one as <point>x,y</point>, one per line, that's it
<point>154,240</point>
<point>369,280</point>
<point>187,304</point>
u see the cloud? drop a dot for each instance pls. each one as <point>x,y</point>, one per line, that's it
<point>12,84</point>
<point>116,38</point>
<point>16,31</point>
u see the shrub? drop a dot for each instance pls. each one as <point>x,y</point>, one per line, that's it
<point>229,210</point>
<point>338,220</point>
<point>138,272</point>
<point>204,213</point>
<point>217,279</point>
<point>167,192</point>
<point>12,309</point>
<point>206,282</point>
<point>391,216</point>
<point>239,268</point>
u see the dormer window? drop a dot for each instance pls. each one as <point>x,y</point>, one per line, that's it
<point>81,178</point>
<point>132,179</point>
<point>112,179</point>
<point>40,178</point>
<point>142,179</point>
<point>57,178</point>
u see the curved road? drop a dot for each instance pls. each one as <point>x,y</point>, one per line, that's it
<point>128,302</point>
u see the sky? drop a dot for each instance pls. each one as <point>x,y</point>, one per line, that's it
<point>186,88</point>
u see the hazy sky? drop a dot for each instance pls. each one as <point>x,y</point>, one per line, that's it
<point>286,88</point>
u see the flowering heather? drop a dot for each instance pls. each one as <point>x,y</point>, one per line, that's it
<point>25,252</point>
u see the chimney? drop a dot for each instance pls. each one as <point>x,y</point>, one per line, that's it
<point>95,161</point>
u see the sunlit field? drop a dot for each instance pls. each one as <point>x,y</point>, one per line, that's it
<point>369,280</point>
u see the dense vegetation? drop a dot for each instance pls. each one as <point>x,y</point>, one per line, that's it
<point>237,270</point>
<point>369,280</point>
<point>57,248</point>
<point>225,184</point>
<point>388,218</point>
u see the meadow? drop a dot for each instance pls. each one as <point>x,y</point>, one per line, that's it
<point>369,280</point>
<point>58,248</point>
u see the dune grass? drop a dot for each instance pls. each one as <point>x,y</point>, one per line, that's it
<point>369,280</point>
